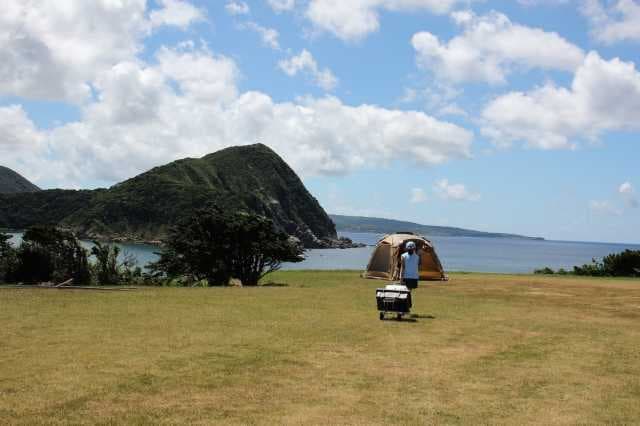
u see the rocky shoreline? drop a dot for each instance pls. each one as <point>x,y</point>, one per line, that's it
<point>309,243</point>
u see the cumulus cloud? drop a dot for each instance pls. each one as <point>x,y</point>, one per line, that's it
<point>354,20</point>
<point>604,96</point>
<point>52,52</point>
<point>187,104</point>
<point>177,13</point>
<point>237,8</point>
<point>628,193</point>
<point>281,5</point>
<point>619,21</point>
<point>490,48</point>
<point>418,196</point>
<point>269,36</point>
<point>21,143</point>
<point>458,191</point>
<point>305,62</point>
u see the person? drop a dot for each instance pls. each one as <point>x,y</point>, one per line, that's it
<point>409,266</point>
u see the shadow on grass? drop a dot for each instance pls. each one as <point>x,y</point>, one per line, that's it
<point>272,284</point>
<point>412,318</point>
<point>422,316</point>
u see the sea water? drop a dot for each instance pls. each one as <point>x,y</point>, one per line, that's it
<point>473,254</point>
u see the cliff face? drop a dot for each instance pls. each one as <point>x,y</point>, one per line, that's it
<point>12,183</point>
<point>252,178</point>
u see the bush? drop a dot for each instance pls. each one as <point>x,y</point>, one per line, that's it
<point>109,270</point>
<point>625,264</point>
<point>544,271</point>
<point>49,254</point>
<point>215,245</point>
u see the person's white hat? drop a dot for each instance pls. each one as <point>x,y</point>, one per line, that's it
<point>411,245</point>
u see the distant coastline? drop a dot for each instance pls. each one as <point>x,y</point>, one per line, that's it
<point>386,226</point>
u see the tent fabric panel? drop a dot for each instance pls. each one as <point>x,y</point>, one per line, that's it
<point>380,259</point>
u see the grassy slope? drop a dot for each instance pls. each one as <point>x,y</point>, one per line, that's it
<point>499,349</point>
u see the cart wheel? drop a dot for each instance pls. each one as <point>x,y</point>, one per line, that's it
<point>381,316</point>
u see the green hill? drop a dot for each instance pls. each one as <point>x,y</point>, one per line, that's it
<point>387,226</point>
<point>252,178</point>
<point>12,183</point>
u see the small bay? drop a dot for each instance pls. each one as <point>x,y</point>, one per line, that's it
<point>473,254</point>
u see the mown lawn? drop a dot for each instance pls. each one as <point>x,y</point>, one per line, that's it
<point>481,349</point>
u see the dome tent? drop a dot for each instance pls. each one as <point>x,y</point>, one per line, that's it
<point>384,263</point>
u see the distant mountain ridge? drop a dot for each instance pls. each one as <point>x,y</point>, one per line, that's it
<point>387,226</point>
<point>251,177</point>
<point>13,183</point>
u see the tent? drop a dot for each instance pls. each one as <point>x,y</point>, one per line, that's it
<point>384,263</point>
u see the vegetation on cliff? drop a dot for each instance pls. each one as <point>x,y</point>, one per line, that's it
<point>249,178</point>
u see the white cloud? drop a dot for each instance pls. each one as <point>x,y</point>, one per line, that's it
<point>354,19</point>
<point>281,5</point>
<point>628,193</point>
<point>177,13</point>
<point>52,50</point>
<point>542,2</point>
<point>604,208</point>
<point>305,62</point>
<point>456,191</point>
<point>490,48</point>
<point>188,104</point>
<point>16,129</point>
<point>237,8</point>
<point>269,36</point>
<point>418,196</point>
<point>452,109</point>
<point>618,22</point>
<point>409,95</point>
<point>626,188</point>
<point>604,96</point>
<point>22,145</point>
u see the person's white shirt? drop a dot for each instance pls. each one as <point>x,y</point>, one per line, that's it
<point>410,266</point>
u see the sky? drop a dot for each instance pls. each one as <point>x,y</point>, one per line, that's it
<point>518,116</point>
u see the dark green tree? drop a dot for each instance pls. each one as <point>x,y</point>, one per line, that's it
<point>8,257</point>
<point>257,249</point>
<point>216,245</point>
<point>51,254</point>
<point>624,264</point>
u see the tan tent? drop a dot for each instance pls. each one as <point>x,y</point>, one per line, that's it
<point>385,259</point>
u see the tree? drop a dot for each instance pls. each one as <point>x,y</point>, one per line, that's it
<point>257,249</point>
<point>8,257</point>
<point>216,245</point>
<point>106,267</point>
<point>51,254</point>
<point>109,270</point>
<point>624,264</point>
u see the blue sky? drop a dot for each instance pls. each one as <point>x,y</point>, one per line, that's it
<point>507,116</point>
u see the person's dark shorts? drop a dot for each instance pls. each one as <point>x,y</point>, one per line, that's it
<point>410,283</point>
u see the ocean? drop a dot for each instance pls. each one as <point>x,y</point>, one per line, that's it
<point>472,254</point>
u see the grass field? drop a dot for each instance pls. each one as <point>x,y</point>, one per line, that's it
<point>480,349</point>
